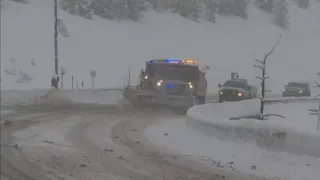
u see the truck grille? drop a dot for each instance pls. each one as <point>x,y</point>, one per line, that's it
<point>292,90</point>
<point>176,89</point>
<point>229,92</point>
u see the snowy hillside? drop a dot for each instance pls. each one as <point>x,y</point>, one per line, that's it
<point>111,47</point>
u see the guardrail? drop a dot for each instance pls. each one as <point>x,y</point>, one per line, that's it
<point>291,99</point>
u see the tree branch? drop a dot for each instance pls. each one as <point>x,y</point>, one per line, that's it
<point>314,113</point>
<point>313,110</point>
<point>258,67</point>
<point>277,115</point>
<point>276,101</point>
<point>259,61</point>
<point>268,54</point>
<point>262,78</point>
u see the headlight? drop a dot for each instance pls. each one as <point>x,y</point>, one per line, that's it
<point>300,91</point>
<point>221,92</point>
<point>283,90</point>
<point>240,94</point>
<point>146,77</point>
<point>190,85</point>
<point>159,82</point>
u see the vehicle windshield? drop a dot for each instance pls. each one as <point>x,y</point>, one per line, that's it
<point>299,85</point>
<point>174,72</point>
<point>236,84</point>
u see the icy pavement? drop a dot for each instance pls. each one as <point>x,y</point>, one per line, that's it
<point>238,157</point>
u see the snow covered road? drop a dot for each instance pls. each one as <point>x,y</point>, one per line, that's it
<point>92,142</point>
<point>95,135</point>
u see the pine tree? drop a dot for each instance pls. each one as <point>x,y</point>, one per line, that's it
<point>265,5</point>
<point>80,7</point>
<point>304,4</point>
<point>211,9</point>
<point>195,10</point>
<point>240,8</point>
<point>154,3</point>
<point>103,8</point>
<point>85,8</point>
<point>184,7</point>
<point>281,14</point>
<point>69,6</point>
<point>224,7</point>
<point>135,7</point>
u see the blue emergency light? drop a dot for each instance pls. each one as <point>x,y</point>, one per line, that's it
<point>171,61</point>
<point>165,61</point>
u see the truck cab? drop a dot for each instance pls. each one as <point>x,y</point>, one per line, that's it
<point>236,89</point>
<point>296,89</point>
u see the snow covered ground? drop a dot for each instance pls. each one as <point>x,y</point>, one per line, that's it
<point>50,96</point>
<point>238,157</point>
<point>111,47</point>
<point>286,149</point>
<point>297,115</point>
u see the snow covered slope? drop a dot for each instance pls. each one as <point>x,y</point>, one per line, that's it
<point>111,47</point>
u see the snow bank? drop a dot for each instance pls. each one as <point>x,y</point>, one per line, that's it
<point>295,134</point>
<point>55,97</point>
<point>238,157</point>
<point>13,98</point>
<point>95,96</point>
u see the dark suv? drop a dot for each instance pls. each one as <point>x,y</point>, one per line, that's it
<point>296,89</point>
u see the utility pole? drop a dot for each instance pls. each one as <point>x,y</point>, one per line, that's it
<point>56,39</point>
<point>318,122</point>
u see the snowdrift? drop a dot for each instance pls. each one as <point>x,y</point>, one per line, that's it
<point>289,135</point>
<point>15,98</point>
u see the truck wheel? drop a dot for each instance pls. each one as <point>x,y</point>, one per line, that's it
<point>201,100</point>
<point>155,107</point>
<point>181,110</point>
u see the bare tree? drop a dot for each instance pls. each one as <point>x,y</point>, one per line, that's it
<point>262,66</point>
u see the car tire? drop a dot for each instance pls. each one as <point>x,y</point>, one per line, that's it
<point>201,100</point>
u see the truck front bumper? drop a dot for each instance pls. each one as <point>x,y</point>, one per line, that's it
<point>231,98</point>
<point>292,94</point>
<point>170,101</point>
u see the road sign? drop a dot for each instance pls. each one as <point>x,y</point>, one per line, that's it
<point>62,29</point>
<point>93,73</point>
<point>318,123</point>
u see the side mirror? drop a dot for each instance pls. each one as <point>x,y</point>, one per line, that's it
<point>142,73</point>
<point>219,85</point>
